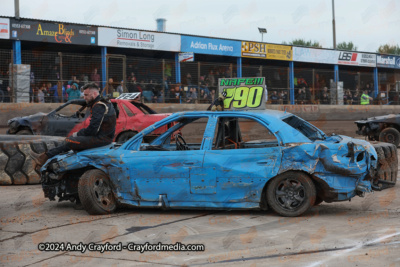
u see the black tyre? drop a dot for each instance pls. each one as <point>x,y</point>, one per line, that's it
<point>95,193</point>
<point>24,132</point>
<point>390,135</point>
<point>125,137</point>
<point>291,194</point>
<point>387,168</point>
<point>16,165</point>
<point>318,200</point>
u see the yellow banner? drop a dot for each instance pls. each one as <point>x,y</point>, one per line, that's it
<point>279,52</point>
<point>267,51</point>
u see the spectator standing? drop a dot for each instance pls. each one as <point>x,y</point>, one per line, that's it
<point>212,95</point>
<point>156,93</point>
<point>211,78</point>
<point>95,77</point>
<point>356,97</point>
<point>324,92</point>
<point>347,97</point>
<point>365,98</point>
<point>204,97</point>
<point>275,98</point>
<point>55,74</point>
<point>301,97</point>
<point>73,92</point>
<point>188,79</point>
<point>41,95</point>
<point>109,89</point>
<point>119,90</point>
<point>191,96</point>
<point>177,94</point>
<point>166,84</point>
<point>171,96</point>
<point>284,97</point>
<point>325,99</point>
<point>54,93</point>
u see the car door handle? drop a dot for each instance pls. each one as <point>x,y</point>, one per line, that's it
<point>263,162</point>
<point>188,163</point>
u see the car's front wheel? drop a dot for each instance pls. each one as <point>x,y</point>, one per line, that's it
<point>291,194</point>
<point>390,135</point>
<point>95,193</point>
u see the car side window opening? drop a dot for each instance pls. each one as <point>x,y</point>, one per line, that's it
<point>307,129</point>
<point>72,110</point>
<point>128,111</point>
<point>143,108</point>
<point>183,134</point>
<point>241,133</point>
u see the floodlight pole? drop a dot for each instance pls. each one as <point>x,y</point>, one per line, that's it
<point>333,24</point>
<point>16,8</point>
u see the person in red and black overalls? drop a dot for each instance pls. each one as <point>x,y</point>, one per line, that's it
<point>100,131</point>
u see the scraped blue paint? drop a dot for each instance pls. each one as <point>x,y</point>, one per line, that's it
<point>229,179</point>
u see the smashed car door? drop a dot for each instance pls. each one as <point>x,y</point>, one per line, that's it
<point>242,160</point>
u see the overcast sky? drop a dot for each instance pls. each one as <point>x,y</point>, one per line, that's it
<point>367,23</point>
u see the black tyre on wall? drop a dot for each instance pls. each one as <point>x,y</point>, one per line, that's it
<point>24,132</point>
<point>387,168</point>
<point>16,165</point>
<point>390,135</point>
<point>291,194</point>
<point>95,193</point>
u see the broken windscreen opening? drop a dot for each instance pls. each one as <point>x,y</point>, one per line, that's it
<point>305,128</point>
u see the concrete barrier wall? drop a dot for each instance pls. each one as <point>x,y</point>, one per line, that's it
<point>337,119</point>
<point>307,112</point>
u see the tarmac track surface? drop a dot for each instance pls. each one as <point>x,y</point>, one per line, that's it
<point>364,232</point>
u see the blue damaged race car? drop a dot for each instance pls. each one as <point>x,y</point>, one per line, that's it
<point>223,160</point>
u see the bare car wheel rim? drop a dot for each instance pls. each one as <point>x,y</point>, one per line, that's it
<point>389,138</point>
<point>102,193</point>
<point>290,194</point>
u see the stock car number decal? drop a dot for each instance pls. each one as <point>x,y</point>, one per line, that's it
<point>243,97</point>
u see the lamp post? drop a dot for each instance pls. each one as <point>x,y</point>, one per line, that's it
<point>333,24</point>
<point>262,31</point>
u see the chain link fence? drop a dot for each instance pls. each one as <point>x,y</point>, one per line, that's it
<point>57,77</point>
<point>5,86</point>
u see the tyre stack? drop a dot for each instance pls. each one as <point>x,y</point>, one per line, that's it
<point>16,165</point>
<point>387,165</point>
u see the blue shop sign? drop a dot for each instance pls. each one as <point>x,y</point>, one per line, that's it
<point>210,46</point>
<point>388,61</point>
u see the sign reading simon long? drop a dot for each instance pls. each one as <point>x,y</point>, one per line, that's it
<point>139,39</point>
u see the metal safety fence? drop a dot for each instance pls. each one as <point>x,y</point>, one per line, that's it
<point>5,86</point>
<point>56,77</point>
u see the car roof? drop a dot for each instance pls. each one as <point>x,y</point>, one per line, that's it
<point>268,114</point>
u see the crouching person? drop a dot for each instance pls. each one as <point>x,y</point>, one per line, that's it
<point>100,131</point>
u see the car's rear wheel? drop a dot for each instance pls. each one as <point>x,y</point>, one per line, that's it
<point>291,194</point>
<point>390,135</point>
<point>125,137</point>
<point>95,193</point>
